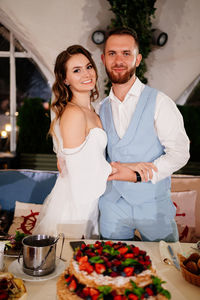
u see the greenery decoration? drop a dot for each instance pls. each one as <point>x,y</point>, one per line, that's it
<point>137,15</point>
<point>34,124</point>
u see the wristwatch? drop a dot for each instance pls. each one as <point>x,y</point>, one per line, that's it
<point>138,177</point>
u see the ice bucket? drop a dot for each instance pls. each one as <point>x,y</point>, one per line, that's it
<point>39,254</point>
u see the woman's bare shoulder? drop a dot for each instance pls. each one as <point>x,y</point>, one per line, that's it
<point>72,114</point>
<point>73,126</point>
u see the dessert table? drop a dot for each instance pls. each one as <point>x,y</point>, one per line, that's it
<point>175,283</point>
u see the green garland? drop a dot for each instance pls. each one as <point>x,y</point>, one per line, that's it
<point>137,15</point>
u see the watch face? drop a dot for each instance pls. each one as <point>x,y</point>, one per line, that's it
<point>98,37</point>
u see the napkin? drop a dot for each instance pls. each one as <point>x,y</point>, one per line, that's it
<point>164,252</point>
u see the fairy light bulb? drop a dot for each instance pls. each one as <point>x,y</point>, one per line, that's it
<point>8,127</point>
<point>4,134</point>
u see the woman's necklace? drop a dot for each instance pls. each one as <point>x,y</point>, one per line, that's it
<point>90,108</point>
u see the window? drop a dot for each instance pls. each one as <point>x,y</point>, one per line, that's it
<point>20,78</point>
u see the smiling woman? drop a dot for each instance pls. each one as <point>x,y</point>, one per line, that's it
<point>80,75</point>
<point>79,141</point>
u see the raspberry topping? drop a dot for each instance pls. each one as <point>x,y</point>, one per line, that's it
<point>113,259</point>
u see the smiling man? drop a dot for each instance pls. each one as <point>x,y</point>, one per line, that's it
<point>121,59</point>
<point>146,135</point>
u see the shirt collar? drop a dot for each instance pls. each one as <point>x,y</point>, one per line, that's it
<point>135,90</point>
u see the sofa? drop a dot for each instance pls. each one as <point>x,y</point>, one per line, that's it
<point>22,186</point>
<point>22,190</point>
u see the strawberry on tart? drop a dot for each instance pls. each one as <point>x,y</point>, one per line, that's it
<point>109,270</point>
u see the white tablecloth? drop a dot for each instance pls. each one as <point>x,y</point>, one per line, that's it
<point>175,283</point>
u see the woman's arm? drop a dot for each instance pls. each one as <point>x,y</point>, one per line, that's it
<point>122,173</point>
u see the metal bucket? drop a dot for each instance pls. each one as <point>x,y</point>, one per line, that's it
<point>39,254</point>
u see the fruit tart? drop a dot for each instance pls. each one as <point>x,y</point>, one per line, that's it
<point>11,288</point>
<point>109,270</point>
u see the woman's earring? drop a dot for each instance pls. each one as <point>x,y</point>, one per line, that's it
<point>66,84</point>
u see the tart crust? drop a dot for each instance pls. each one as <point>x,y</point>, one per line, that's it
<point>63,293</point>
<point>94,281</point>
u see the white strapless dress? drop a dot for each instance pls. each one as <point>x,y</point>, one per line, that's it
<point>72,206</point>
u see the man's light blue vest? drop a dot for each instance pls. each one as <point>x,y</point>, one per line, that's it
<point>139,144</point>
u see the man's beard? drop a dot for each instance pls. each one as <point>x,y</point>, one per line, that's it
<point>119,78</point>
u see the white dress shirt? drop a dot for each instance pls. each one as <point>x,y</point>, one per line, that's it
<point>168,124</point>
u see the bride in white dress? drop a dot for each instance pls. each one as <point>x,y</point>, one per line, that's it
<point>80,142</point>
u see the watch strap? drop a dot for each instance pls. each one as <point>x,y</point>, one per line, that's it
<point>138,177</point>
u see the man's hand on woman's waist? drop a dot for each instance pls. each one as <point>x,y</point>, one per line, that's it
<point>127,171</point>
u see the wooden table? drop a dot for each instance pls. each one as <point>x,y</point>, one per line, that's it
<point>175,283</point>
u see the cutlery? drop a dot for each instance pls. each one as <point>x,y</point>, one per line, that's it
<point>174,259</point>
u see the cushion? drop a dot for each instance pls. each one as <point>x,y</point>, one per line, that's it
<point>25,217</point>
<point>185,203</point>
<point>28,186</point>
<point>185,183</point>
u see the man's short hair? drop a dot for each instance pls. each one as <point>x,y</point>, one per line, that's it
<point>122,31</point>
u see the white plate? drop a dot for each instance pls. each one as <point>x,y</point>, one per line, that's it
<point>16,269</point>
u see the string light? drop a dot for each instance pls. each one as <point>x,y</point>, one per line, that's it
<point>4,134</point>
<point>8,127</point>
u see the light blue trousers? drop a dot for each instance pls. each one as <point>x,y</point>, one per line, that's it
<point>154,220</point>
